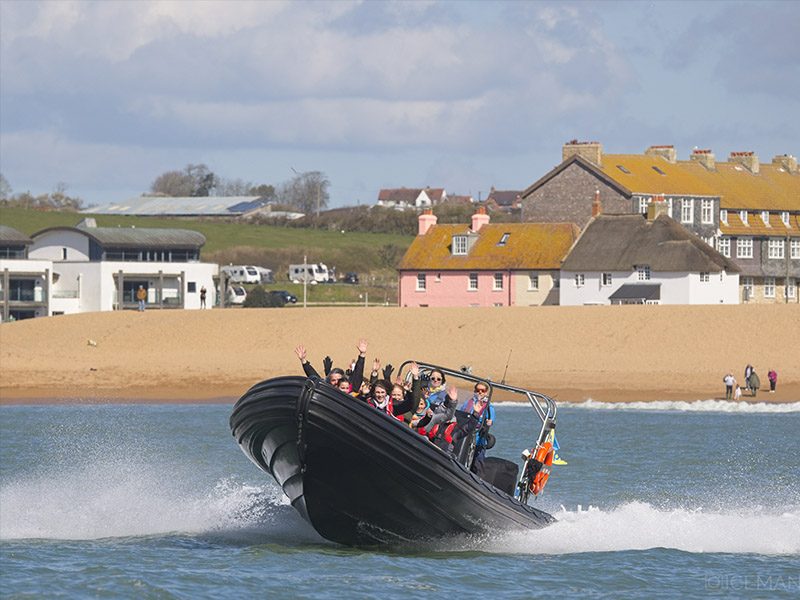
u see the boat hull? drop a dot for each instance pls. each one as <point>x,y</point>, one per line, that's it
<point>360,477</point>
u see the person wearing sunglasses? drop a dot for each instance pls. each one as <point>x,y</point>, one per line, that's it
<point>442,401</point>
<point>479,407</point>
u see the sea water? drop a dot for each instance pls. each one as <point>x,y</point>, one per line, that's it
<point>659,500</point>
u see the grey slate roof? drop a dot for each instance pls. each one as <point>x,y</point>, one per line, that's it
<point>9,235</point>
<point>222,206</point>
<point>136,237</point>
<point>637,291</point>
<point>619,242</point>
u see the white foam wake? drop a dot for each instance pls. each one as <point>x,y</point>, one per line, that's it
<point>640,526</point>
<point>103,501</point>
<point>690,406</point>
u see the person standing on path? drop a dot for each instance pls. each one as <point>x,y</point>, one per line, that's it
<point>203,297</point>
<point>773,380</point>
<point>141,296</point>
<point>729,382</point>
<point>755,383</point>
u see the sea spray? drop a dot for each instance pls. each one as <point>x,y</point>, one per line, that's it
<point>640,526</point>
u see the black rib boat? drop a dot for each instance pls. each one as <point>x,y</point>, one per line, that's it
<point>361,478</point>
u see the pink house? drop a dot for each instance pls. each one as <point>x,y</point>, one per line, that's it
<point>485,264</point>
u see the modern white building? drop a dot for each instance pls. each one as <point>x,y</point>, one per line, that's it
<point>633,259</point>
<point>63,270</point>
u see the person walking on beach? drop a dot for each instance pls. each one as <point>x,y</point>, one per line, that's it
<point>141,296</point>
<point>773,380</point>
<point>203,297</point>
<point>748,370</point>
<point>729,382</point>
<point>755,383</point>
<point>737,395</point>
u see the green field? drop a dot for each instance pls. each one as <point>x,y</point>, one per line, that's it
<point>372,255</point>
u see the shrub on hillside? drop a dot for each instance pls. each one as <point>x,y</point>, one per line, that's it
<point>259,298</point>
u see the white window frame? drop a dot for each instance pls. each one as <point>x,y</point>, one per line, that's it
<point>706,211</point>
<point>723,215</point>
<point>533,281</point>
<point>459,245</point>
<point>497,283</point>
<point>669,207</point>
<point>705,277</point>
<point>743,217</point>
<point>643,272</point>
<point>769,287</point>
<point>724,246</point>
<point>580,279</point>
<point>606,280</point>
<point>472,282</point>
<point>794,248</point>
<point>785,217</point>
<point>687,210</point>
<point>791,287</point>
<point>744,247</point>
<point>643,202</point>
<point>422,283</point>
<point>776,248</point>
<point>765,217</point>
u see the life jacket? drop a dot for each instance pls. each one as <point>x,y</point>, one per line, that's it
<point>540,465</point>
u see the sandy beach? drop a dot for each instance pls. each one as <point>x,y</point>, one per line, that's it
<point>574,353</point>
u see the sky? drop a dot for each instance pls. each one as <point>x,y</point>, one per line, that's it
<point>105,96</point>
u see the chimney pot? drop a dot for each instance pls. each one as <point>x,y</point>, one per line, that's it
<point>425,221</point>
<point>479,219</point>
<point>749,160</point>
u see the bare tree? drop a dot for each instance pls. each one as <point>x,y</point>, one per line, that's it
<point>308,192</point>
<point>233,187</point>
<point>5,188</point>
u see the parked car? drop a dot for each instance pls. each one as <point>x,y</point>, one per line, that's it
<point>350,278</point>
<point>287,297</point>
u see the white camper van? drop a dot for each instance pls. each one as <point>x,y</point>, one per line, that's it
<point>242,273</point>
<point>311,273</point>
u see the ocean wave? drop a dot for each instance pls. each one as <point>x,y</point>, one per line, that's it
<point>689,406</point>
<point>640,526</point>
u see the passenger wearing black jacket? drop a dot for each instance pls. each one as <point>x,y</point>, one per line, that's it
<point>336,374</point>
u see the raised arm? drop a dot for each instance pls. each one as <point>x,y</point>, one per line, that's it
<point>300,351</point>
<point>358,370</point>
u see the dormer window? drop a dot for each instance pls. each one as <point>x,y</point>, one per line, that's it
<point>459,245</point>
<point>723,216</point>
<point>743,216</point>
<point>785,217</point>
<point>765,217</point>
<point>504,239</point>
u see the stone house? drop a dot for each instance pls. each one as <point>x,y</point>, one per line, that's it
<point>721,202</point>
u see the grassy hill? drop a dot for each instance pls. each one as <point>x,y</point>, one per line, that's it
<point>246,243</point>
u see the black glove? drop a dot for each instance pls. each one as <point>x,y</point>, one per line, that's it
<point>387,372</point>
<point>327,363</point>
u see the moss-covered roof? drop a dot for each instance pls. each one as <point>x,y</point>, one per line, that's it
<point>527,246</point>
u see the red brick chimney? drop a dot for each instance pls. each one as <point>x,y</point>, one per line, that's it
<point>597,206</point>
<point>479,219</point>
<point>705,158</point>
<point>426,220</point>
